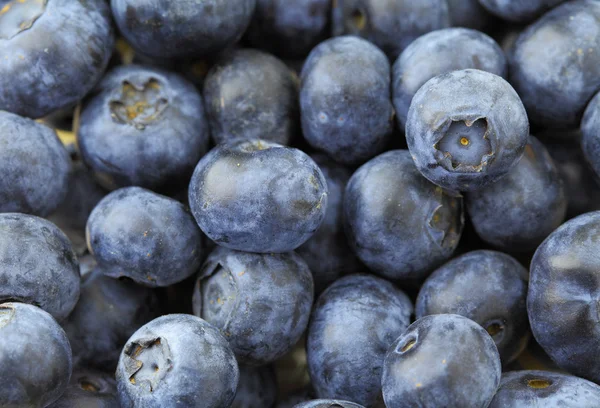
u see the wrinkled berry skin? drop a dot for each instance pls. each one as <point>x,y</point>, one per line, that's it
<point>176,29</point>
<point>257,388</point>
<point>143,126</point>
<point>564,291</point>
<point>34,165</point>
<point>441,361</point>
<point>108,313</point>
<point>468,14</point>
<point>487,287</point>
<point>37,265</point>
<point>551,65</point>
<point>517,212</point>
<point>260,302</point>
<point>357,316</point>
<point>144,236</point>
<point>177,360</point>
<point>590,135</point>
<point>55,62</point>
<point>327,252</point>
<point>389,24</point>
<point>519,11</point>
<point>328,404</point>
<point>35,357</point>
<point>250,94</point>
<point>439,52</point>
<point>400,230</point>
<point>258,196</point>
<point>466,129</point>
<point>89,389</point>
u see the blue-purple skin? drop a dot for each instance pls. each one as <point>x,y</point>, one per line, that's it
<point>525,389</point>
<point>35,357</point>
<point>555,66</point>
<point>400,230</point>
<point>468,14</point>
<point>519,11</point>
<point>347,116</point>
<point>590,135</point>
<point>37,265</point>
<point>143,126</point>
<point>90,389</point>
<point>327,252</point>
<point>250,94</point>
<point>329,403</point>
<point>261,303</point>
<point>258,196</point>
<point>517,212</point>
<point>289,29</point>
<point>144,236</point>
<point>34,166</point>
<point>109,311</point>
<point>440,52</point>
<point>353,323</point>
<point>177,360</point>
<point>487,287</point>
<point>441,361</point>
<point>182,29</point>
<point>564,293</point>
<point>53,52</point>
<point>257,388</point>
<point>466,129</point>
<point>389,24</point>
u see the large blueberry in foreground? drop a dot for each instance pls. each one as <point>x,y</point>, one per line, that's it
<point>34,166</point>
<point>402,229</point>
<point>441,361</point>
<point>353,323</point>
<point>257,388</point>
<point>258,196</point>
<point>177,360</point>
<point>526,389</point>
<point>144,127</point>
<point>520,11</point>
<point>144,236</point>
<point>89,389</point>
<point>328,404</point>
<point>564,294</point>
<point>466,129</point>
<point>260,302</point>
<point>35,357</point>
<point>37,265</point>
<point>53,53</point>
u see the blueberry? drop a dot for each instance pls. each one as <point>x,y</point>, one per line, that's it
<point>53,52</point>
<point>328,404</point>
<point>389,24</point>
<point>466,129</point>
<point>353,323</point>
<point>348,116</point>
<point>251,95</point>
<point>89,389</point>
<point>517,212</point>
<point>469,14</point>
<point>487,287</point>
<point>519,11</point>
<point>37,265</point>
<point>555,65</point>
<point>108,313</point>
<point>34,166</point>
<point>441,361</point>
<point>176,29</point>
<point>590,140</point>
<point>524,389</point>
<point>261,303</point>
<point>177,360</point>
<point>144,236</point>
<point>439,52</point>
<point>327,252</point>
<point>35,357</point>
<point>143,126</point>
<point>258,196</point>
<point>404,229</point>
<point>564,293</point>
<point>257,388</point>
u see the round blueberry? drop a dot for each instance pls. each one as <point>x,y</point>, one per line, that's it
<point>260,302</point>
<point>404,229</point>
<point>441,361</point>
<point>466,129</point>
<point>519,11</point>
<point>257,388</point>
<point>258,196</point>
<point>144,236</point>
<point>90,389</point>
<point>177,360</point>
<point>329,403</point>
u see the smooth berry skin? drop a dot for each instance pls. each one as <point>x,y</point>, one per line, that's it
<point>328,404</point>
<point>520,11</point>
<point>89,388</point>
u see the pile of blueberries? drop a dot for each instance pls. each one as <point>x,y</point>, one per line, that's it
<point>299,203</point>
